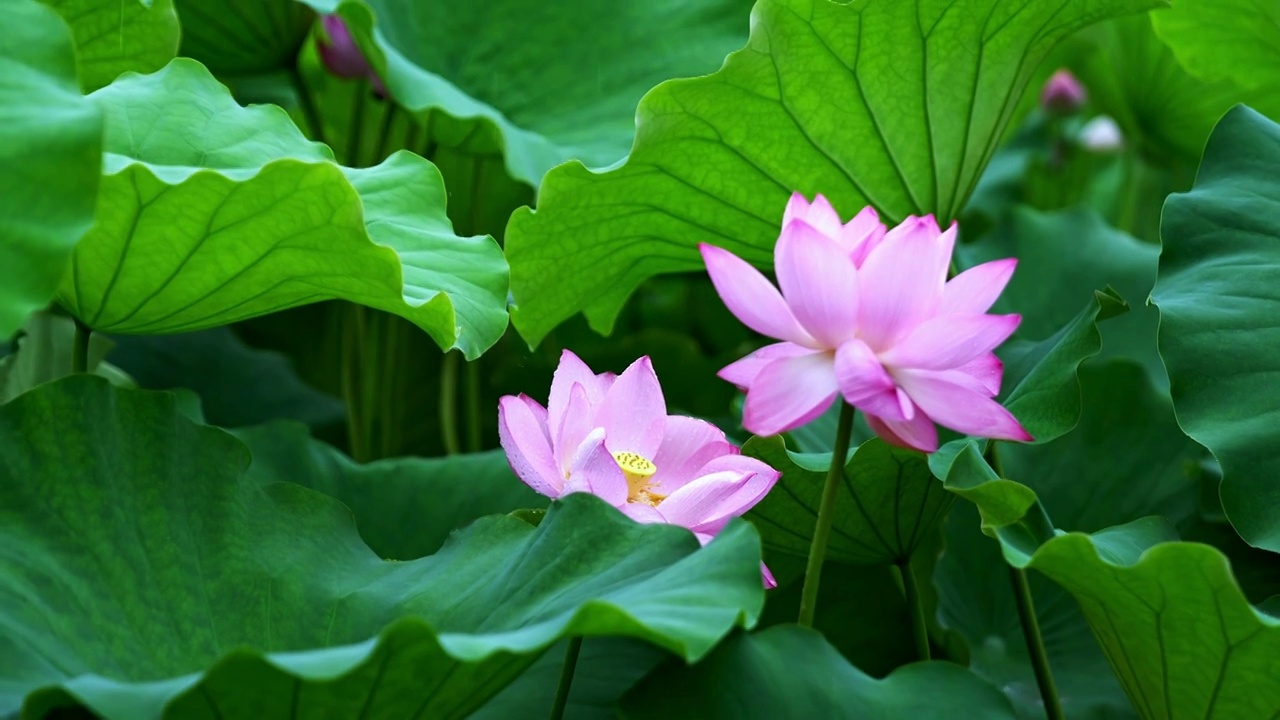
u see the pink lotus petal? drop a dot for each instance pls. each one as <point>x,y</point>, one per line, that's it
<point>864,382</point>
<point>862,234</point>
<point>633,411</point>
<point>918,433</point>
<point>595,471</point>
<point>687,445</point>
<point>751,297</point>
<point>819,283</point>
<point>901,282</point>
<point>522,430</point>
<point>578,420</point>
<point>339,53</point>
<point>975,290</point>
<point>957,401</point>
<point>987,371</point>
<point>949,341</point>
<point>569,372</point>
<point>743,372</point>
<point>819,214</point>
<point>705,500</point>
<point>790,392</point>
<point>642,513</point>
<point>769,582</point>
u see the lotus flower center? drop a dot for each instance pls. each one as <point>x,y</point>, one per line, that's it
<point>638,470</point>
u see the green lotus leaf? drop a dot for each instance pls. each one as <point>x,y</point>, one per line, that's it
<point>244,37</point>
<point>44,352</point>
<point>1175,627</point>
<point>114,36</point>
<point>1229,39</point>
<point>792,672</point>
<point>213,593</point>
<point>405,508</point>
<point>238,385</point>
<point>811,104</point>
<point>50,153</point>
<point>1125,460</point>
<point>212,213</point>
<point>547,82</point>
<point>889,505</point>
<point>1063,257</point>
<point>1220,316</point>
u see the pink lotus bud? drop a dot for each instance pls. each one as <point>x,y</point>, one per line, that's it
<point>1062,94</point>
<point>342,57</point>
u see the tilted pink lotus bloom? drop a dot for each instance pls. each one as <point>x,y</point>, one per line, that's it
<point>612,437</point>
<point>869,315</point>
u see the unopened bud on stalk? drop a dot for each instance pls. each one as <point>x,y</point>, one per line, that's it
<point>1062,94</point>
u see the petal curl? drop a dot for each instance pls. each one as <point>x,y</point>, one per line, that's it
<point>522,430</point>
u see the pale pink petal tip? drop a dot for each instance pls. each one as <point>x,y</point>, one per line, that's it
<point>769,582</point>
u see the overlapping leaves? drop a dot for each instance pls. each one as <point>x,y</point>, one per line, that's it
<point>211,213</point>
<point>1220,316</point>
<point>816,102</point>
<point>50,150</point>
<point>213,593</point>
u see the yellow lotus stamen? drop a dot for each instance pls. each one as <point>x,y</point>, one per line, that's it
<point>638,470</point>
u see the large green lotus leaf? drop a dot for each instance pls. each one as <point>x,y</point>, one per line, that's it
<point>115,36</point>
<point>818,101</point>
<point>242,37</point>
<point>607,668</point>
<point>548,81</point>
<point>211,213</point>
<point>404,508</point>
<point>1172,621</point>
<point>889,504</point>
<point>212,594</point>
<point>50,154</point>
<point>1219,303</point>
<point>238,385</point>
<point>1063,257</point>
<point>792,672</point>
<point>1232,39</point>
<point>1124,460</point>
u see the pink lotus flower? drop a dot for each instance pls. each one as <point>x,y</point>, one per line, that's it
<point>869,315</point>
<point>612,437</point>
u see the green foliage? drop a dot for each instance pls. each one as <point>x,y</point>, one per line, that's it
<point>1229,39</point>
<point>1220,316</point>
<point>812,104</point>
<point>793,672</point>
<point>889,505</point>
<point>50,144</point>
<point>212,213</point>
<point>216,593</point>
<point>115,36</point>
<point>243,37</point>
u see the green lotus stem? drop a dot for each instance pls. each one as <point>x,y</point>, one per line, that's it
<point>449,403</point>
<point>384,132</point>
<point>915,605</point>
<point>391,392</point>
<point>473,406</point>
<point>308,106</point>
<point>1035,644</point>
<point>566,678</point>
<point>354,386</point>
<point>826,514</point>
<point>356,128</point>
<point>80,348</point>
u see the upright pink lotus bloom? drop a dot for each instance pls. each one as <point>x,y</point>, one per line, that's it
<point>869,315</point>
<point>612,437</point>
